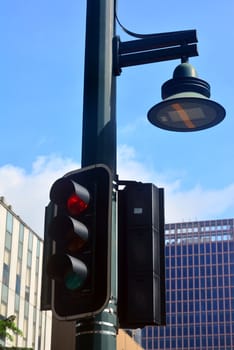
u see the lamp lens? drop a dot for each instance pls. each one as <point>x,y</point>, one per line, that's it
<point>186,114</point>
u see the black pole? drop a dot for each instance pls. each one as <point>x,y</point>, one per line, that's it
<point>99,146</point>
<point>99,109</point>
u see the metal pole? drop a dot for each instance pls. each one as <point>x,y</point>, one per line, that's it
<point>99,110</point>
<point>99,146</point>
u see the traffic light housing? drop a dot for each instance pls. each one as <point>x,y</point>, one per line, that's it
<point>141,265</point>
<point>80,231</point>
<point>46,282</point>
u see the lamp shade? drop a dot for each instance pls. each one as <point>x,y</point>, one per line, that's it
<point>186,105</point>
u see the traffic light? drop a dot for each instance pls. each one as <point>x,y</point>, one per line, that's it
<point>141,269</point>
<point>80,231</point>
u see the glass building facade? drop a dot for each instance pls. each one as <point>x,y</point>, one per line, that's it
<point>199,288</point>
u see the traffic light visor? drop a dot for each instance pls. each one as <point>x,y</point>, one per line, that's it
<point>69,232</point>
<point>71,196</point>
<point>68,270</point>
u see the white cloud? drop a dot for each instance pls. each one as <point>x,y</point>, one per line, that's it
<point>196,203</point>
<point>199,203</point>
<point>129,168</point>
<point>28,192</point>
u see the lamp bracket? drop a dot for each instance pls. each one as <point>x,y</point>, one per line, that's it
<point>156,48</point>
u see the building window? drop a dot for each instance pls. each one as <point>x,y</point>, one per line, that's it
<point>27,293</point>
<point>20,250</point>
<point>38,248</point>
<point>17,284</point>
<point>9,222</point>
<point>17,303</point>
<point>38,257</point>
<point>4,294</point>
<point>30,241</point>
<point>20,242</point>
<point>8,239</point>
<point>26,310</point>
<point>28,277</point>
<point>30,248</point>
<point>29,259</point>
<point>5,274</point>
<point>21,232</point>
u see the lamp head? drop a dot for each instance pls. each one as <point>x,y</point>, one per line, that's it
<point>186,105</point>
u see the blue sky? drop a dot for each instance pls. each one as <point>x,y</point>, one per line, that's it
<point>41,92</point>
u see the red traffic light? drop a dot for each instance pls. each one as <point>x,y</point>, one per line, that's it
<point>76,205</point>
<point>70,195</point>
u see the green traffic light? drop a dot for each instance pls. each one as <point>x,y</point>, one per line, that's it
<point>68,270</point>
<point>74,281</point>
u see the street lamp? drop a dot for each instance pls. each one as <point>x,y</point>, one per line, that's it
<point>186,106</point>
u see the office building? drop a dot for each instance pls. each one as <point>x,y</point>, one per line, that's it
<point>199,288</point>
<point>21,252</point>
